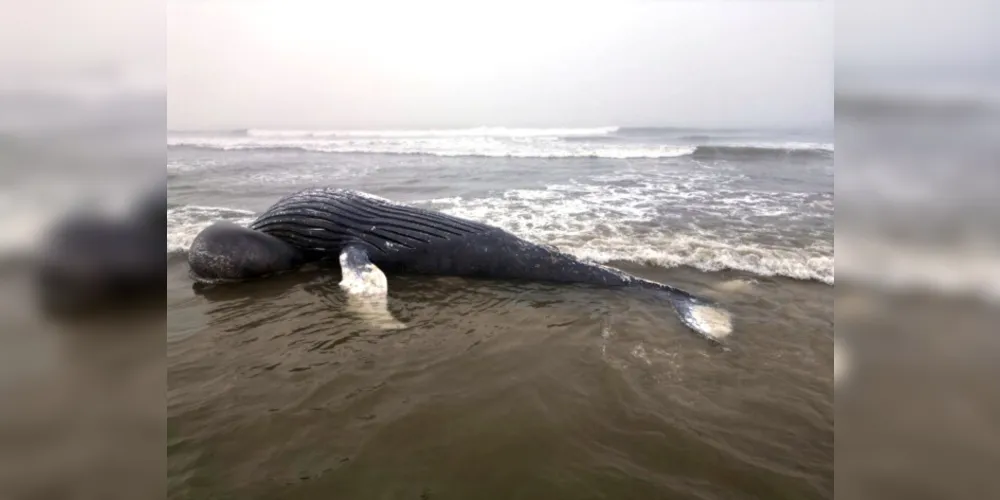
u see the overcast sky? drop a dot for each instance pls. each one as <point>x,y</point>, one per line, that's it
<point>296,63</point>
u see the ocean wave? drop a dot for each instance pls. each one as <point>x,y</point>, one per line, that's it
<point>457,132</point>
<point>706,253</point>
<point>488,149</point>
<point>605,224</point>
<point>499,143</point>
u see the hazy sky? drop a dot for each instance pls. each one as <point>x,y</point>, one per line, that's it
<point>298,63</point>
<point>917,42</point>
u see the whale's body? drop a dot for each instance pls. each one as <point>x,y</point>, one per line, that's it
<point>371,235</point>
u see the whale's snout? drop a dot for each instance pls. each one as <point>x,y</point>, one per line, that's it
<point>226,251</point>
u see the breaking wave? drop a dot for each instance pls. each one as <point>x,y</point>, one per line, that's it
<point>452,148</point>
<point>496,149</point>
<point>606,224</point>
<point>597,142</point>
<point>460,132</point>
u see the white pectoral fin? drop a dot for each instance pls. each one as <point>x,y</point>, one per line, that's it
<point>359,275</point>
<point>367,288</point>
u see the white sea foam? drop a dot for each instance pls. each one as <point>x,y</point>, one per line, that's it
<point>185,222</point>
<point>707,253</point>
<point>605,223</point>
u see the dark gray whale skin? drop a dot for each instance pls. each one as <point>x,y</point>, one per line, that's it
<point>226,251</point>
<point>404,239</point>
<point>322,223</point>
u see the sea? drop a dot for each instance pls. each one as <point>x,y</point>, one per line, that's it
<point>514,390</point>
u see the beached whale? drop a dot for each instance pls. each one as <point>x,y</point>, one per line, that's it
<point>371,236</point>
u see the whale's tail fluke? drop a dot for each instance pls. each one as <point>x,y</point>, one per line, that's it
<point>710,320</point>
<point>701,315</point>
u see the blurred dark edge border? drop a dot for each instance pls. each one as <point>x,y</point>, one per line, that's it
<point>82,251</point>
<point>918,250</point>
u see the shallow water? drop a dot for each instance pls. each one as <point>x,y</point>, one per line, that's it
<point>498,390</point>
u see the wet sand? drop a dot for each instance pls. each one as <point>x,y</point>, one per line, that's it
<point>498,390</point>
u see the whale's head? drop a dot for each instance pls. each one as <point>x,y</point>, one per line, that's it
<point>226,251</point>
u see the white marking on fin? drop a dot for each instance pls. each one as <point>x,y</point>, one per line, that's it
<point>367,289</point>
<point>361,277</point>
